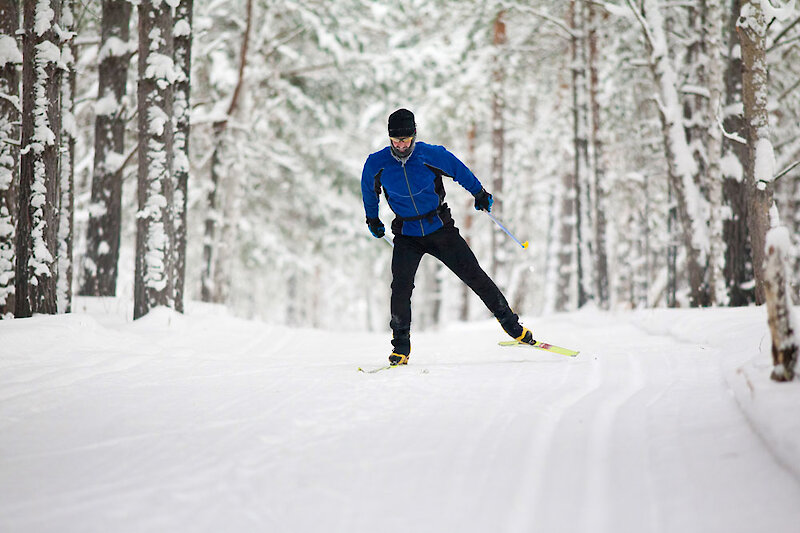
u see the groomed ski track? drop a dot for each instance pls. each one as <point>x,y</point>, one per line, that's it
<point>170,425</point>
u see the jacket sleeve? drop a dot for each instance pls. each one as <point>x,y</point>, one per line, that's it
<point>368,193</point>
<point>460,172</point>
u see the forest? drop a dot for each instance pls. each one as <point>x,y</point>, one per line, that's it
<point>648,150</point>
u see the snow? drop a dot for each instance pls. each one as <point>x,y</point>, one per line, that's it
<point>765,162</point>
<point>667,421</point>
<point>9,53</point>
<point>43,17</point>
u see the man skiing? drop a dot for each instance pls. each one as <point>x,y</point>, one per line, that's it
<point>411,175</point>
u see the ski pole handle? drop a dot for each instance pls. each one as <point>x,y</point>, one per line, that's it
<point>502,227</point>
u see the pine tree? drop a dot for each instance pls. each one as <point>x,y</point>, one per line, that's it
<point>155,235</point>
<point>36,270</point>
<point>10,58</point>
<point>105,213</point>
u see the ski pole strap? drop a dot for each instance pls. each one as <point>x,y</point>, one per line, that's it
<point>502,227</point>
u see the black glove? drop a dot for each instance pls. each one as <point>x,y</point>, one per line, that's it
<point>376,227</point>
<point>483,201</point>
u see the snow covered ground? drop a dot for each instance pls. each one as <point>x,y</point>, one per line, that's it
<point>667,421</point>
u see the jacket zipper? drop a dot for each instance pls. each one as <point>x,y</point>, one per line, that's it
<point>421,227</point>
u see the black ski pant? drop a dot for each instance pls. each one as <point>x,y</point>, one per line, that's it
<point>450,248</point>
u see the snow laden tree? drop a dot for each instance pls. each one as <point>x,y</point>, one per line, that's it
<point>692,206</point>
<point>66,205</point>
<point>770,239</point>
<point>100,263</point>
<point>10,58</point>
<point>213,277</point>
<point>183,61</point>
<point>37,230</point>
<point>155,233</point>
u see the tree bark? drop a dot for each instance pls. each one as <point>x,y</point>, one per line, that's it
<point>499,41</point>
<point>37,238</point>
<point>9,152</point>
<point>738,257</point>
<point>103,235</point>
<point>183,61</point>
<point>754,94</point>
<point>598,166</point>
<point>153,283</point>
<point>66,217</point>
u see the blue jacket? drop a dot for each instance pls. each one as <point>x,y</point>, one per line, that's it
<point>414,189</point>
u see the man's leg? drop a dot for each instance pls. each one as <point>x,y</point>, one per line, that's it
<point>405,261</point>
<point>452,250</point>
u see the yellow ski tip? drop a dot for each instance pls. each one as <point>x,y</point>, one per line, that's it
<point>525,245</point>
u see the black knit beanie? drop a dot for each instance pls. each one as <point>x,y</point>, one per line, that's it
<point>401,124</point>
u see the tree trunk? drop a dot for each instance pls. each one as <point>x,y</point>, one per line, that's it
<point>212,277</point>
<point>153,283</point>
<point>37,238</point>
<point>780,319</point>
<point>66,217</point>
<point>566,245</point>
<point>738,257</point>
<point>691,206</point>
<point>103,235</point>
<point>471,160</point>
<point>754,94</point>
<point>598,165</point>
<point>9,151</point>
<point>712,29</point>
<point>498,131</point>
<point>769,250</point>
<point>183,61</point>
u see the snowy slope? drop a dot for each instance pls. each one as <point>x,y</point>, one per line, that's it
<point>667,421</point>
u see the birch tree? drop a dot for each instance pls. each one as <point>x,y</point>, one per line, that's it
<point>100,264</point>
<point>10,58</point>
<point>36,270</point>
<point>154,276</point>
<point>769,238</point>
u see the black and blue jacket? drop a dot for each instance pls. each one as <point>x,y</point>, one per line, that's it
<point>414,188</point>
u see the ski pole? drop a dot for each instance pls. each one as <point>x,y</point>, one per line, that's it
<point>386,237</point>
<point>502,227</point>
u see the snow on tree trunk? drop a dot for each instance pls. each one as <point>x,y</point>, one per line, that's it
<point>67,167</point>
<point>769,249</point>
<point>692,207</point>
<point>183,61</point>
<point>715,83</point>
<point>37,241</point>
<point>10,58</point>
<point>780,318</point>
<point>155,230</point>
<point>99,269</point>
<point>752,28</point>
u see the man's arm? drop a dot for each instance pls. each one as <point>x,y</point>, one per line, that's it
<point>368,193</point>
<point>460,172</point>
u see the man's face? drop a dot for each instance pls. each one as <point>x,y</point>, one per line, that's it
<point>401,144</point>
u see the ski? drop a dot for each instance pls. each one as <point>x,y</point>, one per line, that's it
<point>374,370</point>
<point>543,346</point>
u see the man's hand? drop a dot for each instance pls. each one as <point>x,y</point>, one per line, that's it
<point>483,201</point>
<point>376,227</point>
